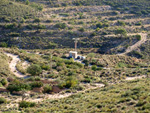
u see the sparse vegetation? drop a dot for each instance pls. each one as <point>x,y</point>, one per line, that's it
<point>113,47</point>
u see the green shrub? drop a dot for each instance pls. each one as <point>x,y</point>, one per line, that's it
<point>37,6</point>
<point>94,67</point>
<point>93,34</point>
<point>36,84</point>
<point>61,25</point>
<point>138,37</point>
<point>34,69</point>
<point>99,25</point>
<point>140,103</point>
<point>121,23</point>
<point>36,20</point>
<point>27,2</point>
<point>121,32</point>
<point>22,20</point>
<point>138,24</point>
<point>3,44</point>
<point>45,67</point>
<point>41,26</point>
<point>81,29</point>
<point>25,104</point>
<point>86,80</point>
<point>18,87</point>
<point>71,82</point>
<point>121,65</point>
<point>47,88</point>
<point>2,100</point>
<point>4,82</point>
<point>10,26</point>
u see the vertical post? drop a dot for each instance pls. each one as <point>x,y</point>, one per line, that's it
<point>75,41</point>
<point>75,45</point>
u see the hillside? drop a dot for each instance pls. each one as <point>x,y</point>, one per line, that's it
<point>51,24</point>
<point>60,77</point>
<point>13,11</point>
<point>132,96</point>
<point>112,69</point>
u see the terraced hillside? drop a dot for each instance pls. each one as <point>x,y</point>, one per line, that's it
<point>51,24</point>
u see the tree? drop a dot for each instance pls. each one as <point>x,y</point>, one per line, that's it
<point>34,69</point>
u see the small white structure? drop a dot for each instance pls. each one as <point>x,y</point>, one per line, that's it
<point>73,54</point>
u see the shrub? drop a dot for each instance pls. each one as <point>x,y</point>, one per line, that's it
<point>140,103</point>
<point>120,31</point>
<point>34,69</point>
<point>93,34</point>
<point>138,24</point>
<point>41,26</point>
<point>10,26</point>
<point>3,44</point>
<point>2,100</point>
<point>121,64</point>
<point>86,62</point>
<point>94,67</point>
<point>86,80</point>
<point>25,104</point>
<point>99,25</point>
<point>81,29</point>
<point>71,82</point>
<point>121,23</point>
<point>4,82</point>
<point>138,37</point>
<point>52,45</point>
<point>45,67</point>
<point>36,84</point>
<point>61,25</point>
<point>49,21</point>
<point>22,20</point>
<point>27,2</point>
<point>36,20</point>
<point>47,88</point>
<point>18,87</point>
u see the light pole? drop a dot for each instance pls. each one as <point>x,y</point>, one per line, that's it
<point>75,41</point>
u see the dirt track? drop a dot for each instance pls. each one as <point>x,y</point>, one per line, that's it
<point>136,45</point>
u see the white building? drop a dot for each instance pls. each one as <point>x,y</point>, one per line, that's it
<point>73,54</point>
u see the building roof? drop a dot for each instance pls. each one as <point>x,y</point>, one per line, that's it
<point>72,51</point>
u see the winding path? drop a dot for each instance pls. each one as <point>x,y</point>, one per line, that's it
<point>14,102</point>
<point>136,45</point>
<point>13,63</point>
